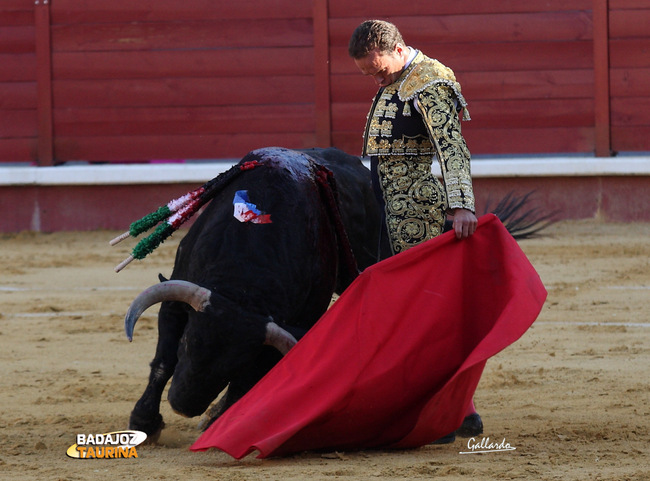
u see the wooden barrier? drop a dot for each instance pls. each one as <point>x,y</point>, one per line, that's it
<point>127,81</point>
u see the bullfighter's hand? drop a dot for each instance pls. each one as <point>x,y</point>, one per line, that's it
<point>465,223</point>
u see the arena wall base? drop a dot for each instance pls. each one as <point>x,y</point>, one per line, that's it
<point>85,197</point>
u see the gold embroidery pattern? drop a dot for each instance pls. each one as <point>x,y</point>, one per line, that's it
<point>391,110</point>
<point>427,73</point>
<point>386,128</point>
<point>415,207</point>
<point>442,122</point>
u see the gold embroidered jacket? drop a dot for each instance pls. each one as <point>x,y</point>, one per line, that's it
<point>396,127</point>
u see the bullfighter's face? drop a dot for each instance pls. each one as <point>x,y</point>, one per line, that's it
<point>384,67</point>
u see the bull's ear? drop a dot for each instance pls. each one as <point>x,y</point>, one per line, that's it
<point>162,278</point>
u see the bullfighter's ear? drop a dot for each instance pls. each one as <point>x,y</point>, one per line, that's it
<point>162,278</point>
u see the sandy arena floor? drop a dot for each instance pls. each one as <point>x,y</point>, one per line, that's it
<point>572,396</point>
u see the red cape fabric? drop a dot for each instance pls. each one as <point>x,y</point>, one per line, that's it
<point>394,363</point>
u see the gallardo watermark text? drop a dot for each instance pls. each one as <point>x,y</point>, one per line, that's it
<point>485,446</point>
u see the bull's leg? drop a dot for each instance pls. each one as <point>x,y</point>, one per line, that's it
<point>146,416</point>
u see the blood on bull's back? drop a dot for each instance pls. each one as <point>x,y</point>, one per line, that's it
<point>284,266</point>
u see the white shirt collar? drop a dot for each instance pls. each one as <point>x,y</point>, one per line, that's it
<point>412,55</point>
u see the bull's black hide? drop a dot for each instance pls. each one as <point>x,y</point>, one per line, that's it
<point>285,270</point>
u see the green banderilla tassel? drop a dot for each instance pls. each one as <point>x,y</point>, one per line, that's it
<point>147,245</point>
<point>148,221</point>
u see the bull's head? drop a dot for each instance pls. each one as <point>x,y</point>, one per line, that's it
<point>199,298</point>
<point>218,339</point>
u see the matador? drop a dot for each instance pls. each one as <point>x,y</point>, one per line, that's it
<point>411,121</point>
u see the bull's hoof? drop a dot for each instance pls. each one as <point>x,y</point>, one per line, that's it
<point>152,428</point>
<point>153,438</point>
<point>472,426</point>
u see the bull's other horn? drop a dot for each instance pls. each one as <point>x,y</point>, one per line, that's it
<point>196,296</point>
<point>279,338</point>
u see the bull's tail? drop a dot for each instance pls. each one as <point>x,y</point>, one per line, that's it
<point>519,219</point>
<point>175,213</point>
<point>521,224</point>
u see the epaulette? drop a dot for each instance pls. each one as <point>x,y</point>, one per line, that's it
<point>425,73</point>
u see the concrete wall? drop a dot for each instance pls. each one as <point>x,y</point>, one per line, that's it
<point>87,197</point>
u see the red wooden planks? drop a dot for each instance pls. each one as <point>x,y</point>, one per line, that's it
<point>17,95</point>
<point>43,49</point>
<point>628,112</point>
<point>630,82</point>
<point>141,64</point>
<point>18,123</point>
<point>18,119</point>
<point>125,11</point>
<point>322,77</point>
<point>137,148</point>
<point>554,140</point>
<point>136,71</point>
<point>365,9</point>
<point>17,67</point>
<point>197,92</point>
<point>630,53</point>
<point>188,35</point>
<point>501,27</point>
<point>630,23</point>
<point>627,4</point>
<point>631,138</point>
<point>601,79</point>
<point>16,40</point>
<point>233,119</point>
<point>17,149</point>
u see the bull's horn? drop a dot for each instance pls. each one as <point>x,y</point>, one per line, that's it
<point>279,338</point>
<point>196,296</point>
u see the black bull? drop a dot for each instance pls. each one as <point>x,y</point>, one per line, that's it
<point>256,288</point>
<point>254,285</point>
